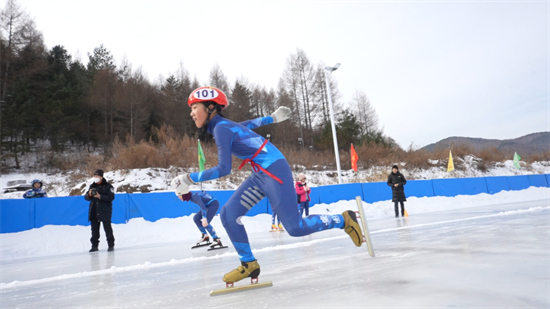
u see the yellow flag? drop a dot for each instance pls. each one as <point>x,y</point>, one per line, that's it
<point>450,165</point>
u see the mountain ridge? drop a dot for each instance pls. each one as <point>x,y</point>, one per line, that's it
<point>530,144</point>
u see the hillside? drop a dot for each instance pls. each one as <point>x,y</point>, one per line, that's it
<point>530,144</point>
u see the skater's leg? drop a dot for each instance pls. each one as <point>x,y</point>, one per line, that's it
<point>197,219</point>
<point>396,208</point>
<point>402,209</point>
<point>301,208</point>
<point>211,211</point>
<point>283,200</point>
<point>273,216</point>
<point>246,196</point>
<point>306,207</point>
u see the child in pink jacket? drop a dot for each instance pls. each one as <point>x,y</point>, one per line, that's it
<point>302,190</point>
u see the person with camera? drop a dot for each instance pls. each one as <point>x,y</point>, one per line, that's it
<point>302,192</point>
<point>101,195</point>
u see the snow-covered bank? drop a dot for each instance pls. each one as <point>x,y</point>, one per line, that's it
<point>158,179</point>
<point>54,240</point>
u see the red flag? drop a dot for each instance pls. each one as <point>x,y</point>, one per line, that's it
<point>354,158</point>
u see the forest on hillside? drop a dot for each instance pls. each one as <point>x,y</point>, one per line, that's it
<point>61,113</point>
<point>52,102</point>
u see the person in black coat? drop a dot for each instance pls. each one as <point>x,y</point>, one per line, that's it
<point>101,195</point>
<point>396,181</point>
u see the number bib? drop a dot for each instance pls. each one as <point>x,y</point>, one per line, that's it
<point>206,94</point>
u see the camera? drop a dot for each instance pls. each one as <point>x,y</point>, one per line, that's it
<point>94,192</point>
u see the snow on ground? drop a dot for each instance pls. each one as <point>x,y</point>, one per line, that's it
<point>54,240</point>
<point>158,179</point>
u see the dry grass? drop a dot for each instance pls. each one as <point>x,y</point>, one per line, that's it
<point>166,149</point>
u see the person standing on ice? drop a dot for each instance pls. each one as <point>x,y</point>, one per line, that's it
<point>396,181</point>
<point>208,208</point>
<point>271,177</point>
<point>101,195</point>
<point>303,191</point>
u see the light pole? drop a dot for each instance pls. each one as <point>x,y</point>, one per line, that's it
<point>329,70</point>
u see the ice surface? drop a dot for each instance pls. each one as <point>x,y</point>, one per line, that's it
<point>493,255</point>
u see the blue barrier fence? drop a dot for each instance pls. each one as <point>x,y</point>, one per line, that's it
<point>20,215</point>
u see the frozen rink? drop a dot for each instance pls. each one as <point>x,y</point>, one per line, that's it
<point>485,256</point>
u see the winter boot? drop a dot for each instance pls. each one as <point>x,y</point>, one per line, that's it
<point>247,269</point>
<point>111,248</point>
<point>94,249</point>
<point>281,227</point>
<point>274,227</point>
<point>352,227</point>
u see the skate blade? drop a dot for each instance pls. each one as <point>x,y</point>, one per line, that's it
<point>203,245</point>
<point>211,249</point>
<point>241,288</point>
<point>366,233</point>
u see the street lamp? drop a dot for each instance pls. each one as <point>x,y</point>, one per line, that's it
<point>330,70</point>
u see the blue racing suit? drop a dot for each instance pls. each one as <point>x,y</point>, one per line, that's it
<point>272,177</point>
<point>209,207</point>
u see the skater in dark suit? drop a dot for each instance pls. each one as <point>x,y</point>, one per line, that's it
<point>396,181</point>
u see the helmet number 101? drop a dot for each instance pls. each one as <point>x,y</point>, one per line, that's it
<point>206,94</point>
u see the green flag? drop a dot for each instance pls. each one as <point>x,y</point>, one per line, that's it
<point>202,159</point>
<point>516,160</point>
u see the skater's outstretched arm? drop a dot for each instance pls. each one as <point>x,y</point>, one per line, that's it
<point>281,114</point>
<point>258,122</point>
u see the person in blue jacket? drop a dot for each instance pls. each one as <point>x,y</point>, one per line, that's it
<point>271,177</point>
<point>36,190</point>
<point>208,208</point>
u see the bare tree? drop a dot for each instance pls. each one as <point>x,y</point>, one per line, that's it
<point>306,74</point>
<point>218,79</point>
<point>130,102</point>
<point>366,114</point>
<point>291,82</point>
<point>17,30</point>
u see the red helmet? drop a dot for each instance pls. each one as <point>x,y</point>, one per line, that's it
<point>208,94</point>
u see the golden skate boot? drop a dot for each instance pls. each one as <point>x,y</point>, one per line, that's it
<point>247,269</point>
<point>352,227</point>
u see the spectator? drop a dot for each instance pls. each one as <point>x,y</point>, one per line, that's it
<point>303,191</point>
<point>396,181</point>
<point>36,190</point>
<point>101,195</point>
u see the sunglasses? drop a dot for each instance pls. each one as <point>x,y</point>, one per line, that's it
<point>302,179</point>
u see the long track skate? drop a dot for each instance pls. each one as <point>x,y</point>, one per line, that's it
<point>230,288</point>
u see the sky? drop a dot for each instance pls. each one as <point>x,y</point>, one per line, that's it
<point>431,69</point>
